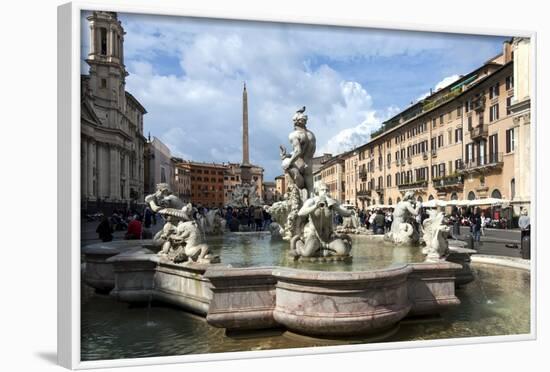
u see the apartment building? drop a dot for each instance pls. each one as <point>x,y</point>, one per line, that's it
<point>331,173</point>
<point>469,140</point>
<point>207,183</point>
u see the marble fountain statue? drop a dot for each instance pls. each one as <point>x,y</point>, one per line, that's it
<point>312,288</point>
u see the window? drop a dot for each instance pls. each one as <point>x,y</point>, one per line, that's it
<point>433,144</point>
<point>442,170</point>
<point>458,164</point>
<point>388,181</point>
<point>434,123</point>
<point>440,141</point>
<point>493,113</point>
<point>510,140</point>
<point>458,135</point>
<point>441,117</point>
<point>434,171</point>
<point>469,152</point>
<point>459,111</point>
<point>397,179</point>
<point>470,124</point>
<point>450,137</point>
<point>467,105</point>
<point>103,41</point>
<point>103,83</point>
<point>494,91</point>
<point>493,148</point>
<point>509,82</point>
<point>389,159</point>
<point>508,104</point>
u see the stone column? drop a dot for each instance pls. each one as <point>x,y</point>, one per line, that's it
<point>110,43</point>
<point>127,176</point>
<point>114,168</point>
<point>523,148</point>
<point>84,168</point>
<point>91,166</point>
<point>92,40</point>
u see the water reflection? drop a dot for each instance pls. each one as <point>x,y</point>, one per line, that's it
<point>257,249</point>
<point>497,303</point>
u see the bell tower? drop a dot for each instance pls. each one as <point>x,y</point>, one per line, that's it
<point>106,60</point>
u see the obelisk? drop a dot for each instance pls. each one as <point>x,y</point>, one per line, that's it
<point>245,166</point>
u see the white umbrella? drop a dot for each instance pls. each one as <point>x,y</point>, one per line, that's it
<point>434,203</point>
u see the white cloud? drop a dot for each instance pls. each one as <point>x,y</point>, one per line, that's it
<point>445,82</point>
<point>195,108</point>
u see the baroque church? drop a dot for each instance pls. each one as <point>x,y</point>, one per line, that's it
<point>112,141</point>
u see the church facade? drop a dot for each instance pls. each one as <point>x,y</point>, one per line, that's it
<point>112,141</point>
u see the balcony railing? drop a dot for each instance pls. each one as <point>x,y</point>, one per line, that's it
<point>362,174</point>
<point>491,161</point>
<point>402,161</point>
<point>448,182</point>
<point>409,160</point>
<point>481,131</point>
<point>414,185</point>
<point>425,155</point>
<point>364,192</point>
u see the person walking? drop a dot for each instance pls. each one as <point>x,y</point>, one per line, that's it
<point>483,223</point>
<point>105,230</point>
<point>476,226</point>
<point>524,223</point>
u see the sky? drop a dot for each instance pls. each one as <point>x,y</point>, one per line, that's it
<point>188,73</point>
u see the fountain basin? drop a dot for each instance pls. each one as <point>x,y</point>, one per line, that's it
<point>317,303</point>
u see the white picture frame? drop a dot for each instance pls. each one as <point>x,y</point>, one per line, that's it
<point>69,185</point>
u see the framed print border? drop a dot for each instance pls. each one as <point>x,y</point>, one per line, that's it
<point>69,271</point>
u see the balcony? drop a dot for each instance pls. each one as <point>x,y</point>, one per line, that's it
<point>425,155</point>
<point>434,153</point>
<point>481,131</point>
<point>402,161</point>
<point>379,189</point>
<point>478,103</point>
<point>409,160</point>
<point>448,183</point>
<point>363,174</point>
<point>416,185</point>
<point>482,164</point>
<point>364,193</point>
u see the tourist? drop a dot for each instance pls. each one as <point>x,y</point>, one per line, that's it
<point>476,225</point>
<point>524,223</point>
<point>267,218</point>
<point>105,230</point>
<point>483,223</point>
<point>371,222</point>
<point>134,229</point>
<point>234,222</point>
<point>379,222</point>
<point>258,218</point>
<point>388,219</point>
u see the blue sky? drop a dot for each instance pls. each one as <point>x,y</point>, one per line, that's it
<point>188,74</point>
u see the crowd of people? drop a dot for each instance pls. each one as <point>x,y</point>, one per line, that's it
<point>138,224</point>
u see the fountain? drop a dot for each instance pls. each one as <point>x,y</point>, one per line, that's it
<point>315,281</point>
